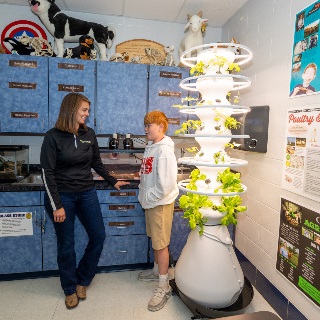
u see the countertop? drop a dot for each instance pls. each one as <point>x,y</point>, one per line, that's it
<point>99,184</point>
<point>119,171</point>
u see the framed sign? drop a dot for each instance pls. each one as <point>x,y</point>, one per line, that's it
<point>298,255</point>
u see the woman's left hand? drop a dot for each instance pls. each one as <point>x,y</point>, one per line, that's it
<point>120,183</point>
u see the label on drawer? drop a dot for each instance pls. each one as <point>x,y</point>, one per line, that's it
<point>28,115</point>
<point>167,74</point>
<point>174,121</point>
<point>14,224</point>
<point>123,194</point>
<point>121,224</point>
<point>22,85</point>
<point>72,66</point>
<point>122,207</point>
<point>23,64</point>
<point>169,94</point>
<point>70,88</point>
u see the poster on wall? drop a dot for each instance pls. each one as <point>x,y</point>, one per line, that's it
<point>301,163</point>
<point>16,224</point>
<point>298,257</point>
<point>305,64</point>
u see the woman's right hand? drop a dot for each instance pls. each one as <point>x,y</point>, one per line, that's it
<point>59,215</point>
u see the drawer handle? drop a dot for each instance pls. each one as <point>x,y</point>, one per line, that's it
<point>121,227</point>
<point>122,251</point>
<point>121,224</point>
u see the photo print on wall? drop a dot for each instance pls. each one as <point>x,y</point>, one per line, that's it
<point>305,77</point>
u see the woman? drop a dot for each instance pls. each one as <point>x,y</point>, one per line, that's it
<point>68,153</point>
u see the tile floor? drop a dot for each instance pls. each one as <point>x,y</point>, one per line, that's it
<point>111,296</point>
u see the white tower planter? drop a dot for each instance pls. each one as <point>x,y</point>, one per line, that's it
<point>208,271</point>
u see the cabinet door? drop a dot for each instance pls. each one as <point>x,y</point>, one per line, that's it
<point>8,199</point>
<point>49,243</point>
<point>164,91</point>
<point>20,253</point>
<point>70,75</point>
<point>121,97</point>
<point>24,93</point>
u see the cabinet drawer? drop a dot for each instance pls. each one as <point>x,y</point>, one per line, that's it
<point>118,226</point>
<point>116,196</point>
<point>121,209</point>
<point>14,199</point>
<point>124,250</point>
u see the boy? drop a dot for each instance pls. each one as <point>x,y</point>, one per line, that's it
<point>157,192</point>
<point>308,75</point>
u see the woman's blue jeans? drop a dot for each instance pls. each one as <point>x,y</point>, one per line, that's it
<point>85,205</point>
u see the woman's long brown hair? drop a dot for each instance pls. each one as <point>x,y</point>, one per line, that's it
<point>68,110</point>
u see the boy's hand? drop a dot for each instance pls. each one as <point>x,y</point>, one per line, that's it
<point>120,183</point>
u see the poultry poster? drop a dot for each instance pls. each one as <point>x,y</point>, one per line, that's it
<point>301,162</point>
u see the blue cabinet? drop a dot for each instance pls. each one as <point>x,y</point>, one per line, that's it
<point>121,97</point>
<point>70,75</point>
<point>164,91</point>
<point>24,93</point>
<point>20,253</point>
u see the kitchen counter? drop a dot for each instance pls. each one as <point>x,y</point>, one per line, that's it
<point>121,172</point>
<point>99,184</point>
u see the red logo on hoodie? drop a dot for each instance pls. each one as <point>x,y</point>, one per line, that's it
<point>146,166</point>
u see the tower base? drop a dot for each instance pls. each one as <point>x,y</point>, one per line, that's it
<point>201,312</point>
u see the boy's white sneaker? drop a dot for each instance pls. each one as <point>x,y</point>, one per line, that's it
<point>148,275</point>
<point>159,298</point>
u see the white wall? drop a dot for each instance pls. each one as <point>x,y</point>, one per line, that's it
<point>267,28</point>
<point>126,29</point>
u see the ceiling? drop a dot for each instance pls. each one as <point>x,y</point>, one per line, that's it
<point>218,12</point>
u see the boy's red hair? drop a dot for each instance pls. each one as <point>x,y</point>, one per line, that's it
<point>157,117</point>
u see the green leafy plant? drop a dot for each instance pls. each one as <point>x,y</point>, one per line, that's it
<point>195,175</point>
<point>231,123</point>
<point>198,69</point>
<point>218,156</point>
<point>230,206</point>
<point>230,182</point>
<point>187,100</point>
<point>230,145</point>
<point>220,61</point>
<point>188,125</point>
<point>193,150</point>
<point>191,203</point>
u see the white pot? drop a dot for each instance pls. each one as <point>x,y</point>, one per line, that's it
<point>208,271</point>
<point>215,89</point>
